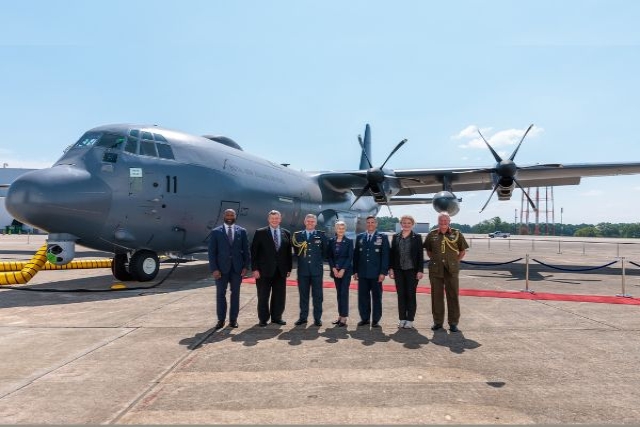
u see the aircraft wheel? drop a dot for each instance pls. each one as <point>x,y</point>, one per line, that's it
<point>119,267</point>
<point>144,265</point>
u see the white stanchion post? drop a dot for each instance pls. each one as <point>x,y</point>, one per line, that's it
<point>526,277</point>
<point>623,294</point>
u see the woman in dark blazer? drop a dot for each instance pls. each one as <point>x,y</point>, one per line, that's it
<point>407,266</point>
<point>340,257</point>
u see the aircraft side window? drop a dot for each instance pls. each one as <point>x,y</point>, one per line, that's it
<point>134,132</point>
<point>159,137</point>
<point>87,140</point>
<point>131,146</point>
<point>165,151</point>
<point>148,148</point>
<point>147,135</point>
<point>110,140</point>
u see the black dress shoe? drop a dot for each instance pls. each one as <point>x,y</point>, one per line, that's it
<point>363,322</point>
<point>436,326</point>
<point>335,322</point>
<point>233,324</point>
<point>375,325</point>
<point>300,322</point>
<point>220,324</point>
<point>341,324</point>
<point>454,328</point>
<point>262,324</point>
<point>279,322</point>
<point>317,323</point>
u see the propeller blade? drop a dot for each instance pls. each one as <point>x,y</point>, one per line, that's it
<point>362,193</point>
<point>495,187</point>
<point>513,155</point>
<point>495,155</point>
<point>400,144</point>
<point>362,146</point>
<point>533,205</point>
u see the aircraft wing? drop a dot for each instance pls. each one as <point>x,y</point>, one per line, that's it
<point>425,181</point>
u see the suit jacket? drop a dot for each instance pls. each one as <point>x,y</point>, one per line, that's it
<point>371,259</point>
<point>264,256</point>
<point>343,258</point>
<point>311,252</point>
<point>417,252</point>
<point>224,256</point>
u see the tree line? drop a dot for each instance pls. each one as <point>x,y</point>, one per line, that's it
<point>603,229</point>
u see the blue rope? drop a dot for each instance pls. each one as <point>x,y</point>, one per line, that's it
<point>489,263</point>
<point>574,269</point>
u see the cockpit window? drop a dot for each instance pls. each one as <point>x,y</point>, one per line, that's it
<point>131,146</point>
<point>148,148</point>
<point>159,137</point>
<point>165,151</point>
<point>134,132</point>
<point>142,143</point>
<point>147,135</point>
<point>87,140</point>
<point>110,140</point>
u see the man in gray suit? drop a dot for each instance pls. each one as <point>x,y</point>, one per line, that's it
<point>229,260</point>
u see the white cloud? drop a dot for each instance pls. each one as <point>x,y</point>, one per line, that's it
<point>502,138</point>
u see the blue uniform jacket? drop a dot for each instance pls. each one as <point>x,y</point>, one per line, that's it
<point>311,253</point>
<point>343,258</point>
<point>223,256</point>
<point>371,259</point>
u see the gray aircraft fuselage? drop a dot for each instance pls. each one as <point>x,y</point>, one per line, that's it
<point>115,196</point>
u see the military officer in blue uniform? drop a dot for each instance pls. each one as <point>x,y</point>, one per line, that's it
<point>370,266</point>
<point>310,247</point>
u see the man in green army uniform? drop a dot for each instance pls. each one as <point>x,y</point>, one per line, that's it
<point>445,247</point>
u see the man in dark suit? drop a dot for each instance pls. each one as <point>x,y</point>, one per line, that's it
<point>271,261</point>
<point>370,265</point>
<point>229,260</point>
<point>310,248</point>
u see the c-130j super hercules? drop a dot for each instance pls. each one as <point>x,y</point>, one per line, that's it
<point>138,191</point>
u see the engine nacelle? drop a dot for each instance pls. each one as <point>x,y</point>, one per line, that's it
<point>504,192</point>
<point>445,201</point>
<point>61,248</point>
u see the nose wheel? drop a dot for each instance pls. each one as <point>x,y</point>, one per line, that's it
<point>119,267</point>
<point>144,265</point>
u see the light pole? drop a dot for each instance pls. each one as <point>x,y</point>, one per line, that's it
<point>515,222</point>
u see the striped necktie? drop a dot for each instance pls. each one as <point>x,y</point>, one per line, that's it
<point>275,239</point>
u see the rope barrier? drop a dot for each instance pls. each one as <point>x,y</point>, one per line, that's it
<point>489,263</point>
<point>574,269</point>
<point>631,262</point>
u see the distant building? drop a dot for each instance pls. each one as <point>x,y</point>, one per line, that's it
<point>7,176</point>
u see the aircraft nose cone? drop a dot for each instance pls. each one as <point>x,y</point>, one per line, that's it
<point>61,199</point>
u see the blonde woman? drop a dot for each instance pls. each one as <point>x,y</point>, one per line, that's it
<point>340,257</point>
<point>407,268</point>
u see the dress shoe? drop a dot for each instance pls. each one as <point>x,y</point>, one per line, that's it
<point>341,324</point>
<point>375,325</point>
<point>300,322</point>
<point>233,324</point>
<point>317,323</point>
<point>363,322</point>
<point>335,322</point>
<point>220,324</point>
<point>262,324</point>
<point>279,322</point>
<point>436,326</point>
<point>454,328</point>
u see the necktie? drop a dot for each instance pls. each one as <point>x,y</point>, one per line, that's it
<point>368,238</point>
<point>275,239</point>
<point>229,235</point>
<point>308,235</point>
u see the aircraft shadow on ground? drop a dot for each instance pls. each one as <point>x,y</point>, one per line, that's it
<point>97,288</point>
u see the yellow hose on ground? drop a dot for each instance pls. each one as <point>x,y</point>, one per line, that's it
<point>20,272</point>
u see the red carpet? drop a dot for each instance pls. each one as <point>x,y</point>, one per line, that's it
<point>602,299</point>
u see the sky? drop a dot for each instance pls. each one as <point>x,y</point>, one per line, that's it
<point>296,82</point>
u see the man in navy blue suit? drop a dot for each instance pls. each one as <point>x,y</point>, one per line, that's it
<point>229,260</point>
<point>370,266</point>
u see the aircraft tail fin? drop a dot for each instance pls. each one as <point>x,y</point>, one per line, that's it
<point>365,157</point>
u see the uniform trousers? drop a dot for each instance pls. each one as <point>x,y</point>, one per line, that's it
<point>234,279</point>
<point>272,295</point>
<point>406,284</point>
<point>313,283</point>
<point>439,286</point>
<point>370,294</point>
<point>342,293</point>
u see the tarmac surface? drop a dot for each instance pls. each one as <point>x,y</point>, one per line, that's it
<point>151,356</point>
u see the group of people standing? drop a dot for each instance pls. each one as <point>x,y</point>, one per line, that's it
<point>368,261</point>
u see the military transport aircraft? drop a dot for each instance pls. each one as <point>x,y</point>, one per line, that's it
<point>142,190</point>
